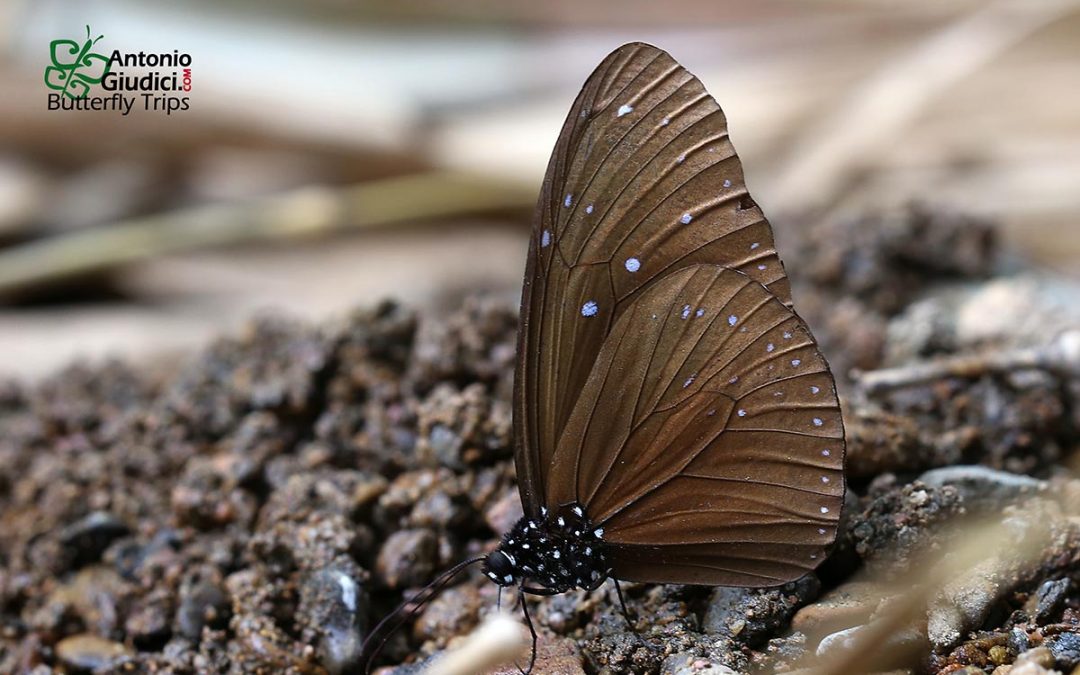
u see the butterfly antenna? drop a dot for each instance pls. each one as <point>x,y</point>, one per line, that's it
<point>405,612</point>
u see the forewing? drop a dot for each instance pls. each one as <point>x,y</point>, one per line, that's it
<point>643,182</point>
<point>707,440</point>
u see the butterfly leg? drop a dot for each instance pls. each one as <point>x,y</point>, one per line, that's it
<point>626,613</point>
<point>622,605</point>
<point>532,631</point>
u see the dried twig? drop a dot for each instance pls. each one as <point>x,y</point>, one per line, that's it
<point>498,641</point>
<point>302,213</point>
<point>924,585</point>
<point>879,112</point>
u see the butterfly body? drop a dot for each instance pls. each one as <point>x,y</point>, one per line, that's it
<point>559,551</point>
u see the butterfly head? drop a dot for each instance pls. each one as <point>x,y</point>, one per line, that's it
<point>501,568</point>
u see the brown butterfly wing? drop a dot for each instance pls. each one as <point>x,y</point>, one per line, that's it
<point>707,440</point>
<point>643,182</point>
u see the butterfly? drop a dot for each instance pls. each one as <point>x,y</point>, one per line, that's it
<point>74,68</point>
<point>674,419</point>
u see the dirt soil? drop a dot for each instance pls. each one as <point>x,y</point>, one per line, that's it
<point>258,507</point>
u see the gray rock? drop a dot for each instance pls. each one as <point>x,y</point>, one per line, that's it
<point>751,616</point>
<point>333,601</point>
<point>1017,311</point>
<point>982,487</point>
<point>87,538</point>
<point>407,558</point>
<point>1066,650</point>
<point>1050,599</point>
<point>201,603</point>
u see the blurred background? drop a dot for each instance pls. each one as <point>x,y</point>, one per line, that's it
<point>336,153</point>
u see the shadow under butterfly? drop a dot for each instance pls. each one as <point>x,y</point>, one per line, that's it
<point>674,420</point>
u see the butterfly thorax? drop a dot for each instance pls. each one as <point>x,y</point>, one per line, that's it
<point>558,551</point>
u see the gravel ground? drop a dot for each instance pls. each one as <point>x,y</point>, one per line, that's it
<point>258,507</point>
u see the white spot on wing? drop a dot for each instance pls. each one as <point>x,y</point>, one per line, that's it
<point>756,244</point>
<point>727,182</point>
<point>796,362</point>
<point>699,313</point>
<point>769,347</point>
<point>824,509</point>
<point>685,311</point>
<point>686,218</point>
<point>818,422</point>
<point>545,239</point>
<point>588,209</point>
<point>732,320</point>
<point>569,200</point>
<point>624,109</point>
<point>632,264</point>
<point>742,413</point>
<point>814,389</point>
<point>589,308</point>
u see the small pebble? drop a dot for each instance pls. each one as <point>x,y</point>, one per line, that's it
<point>333,601</point>
<point>1065,647</point>
<point>1050,599</point>
<point>1039,656</point>
<point>690,664</point>
<point>86,652</point>
<point>408,558</point>
<point>202,603</point>
<point>86,539</point>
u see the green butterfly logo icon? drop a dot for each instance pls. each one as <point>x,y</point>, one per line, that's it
<point>74,67</point>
